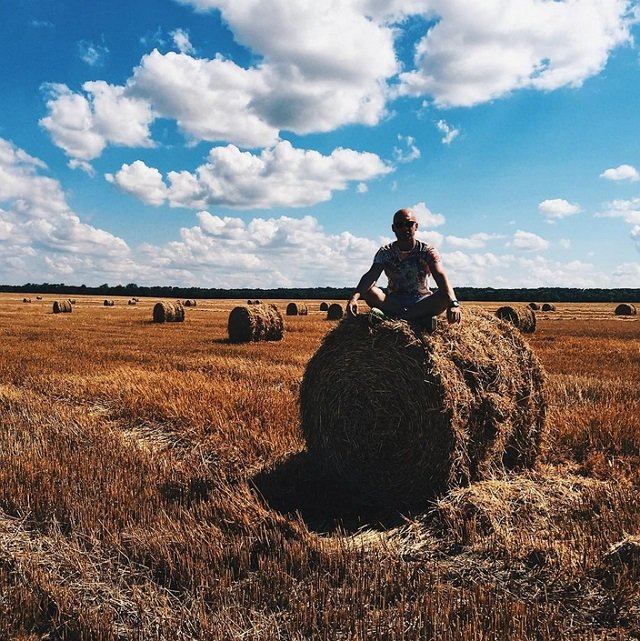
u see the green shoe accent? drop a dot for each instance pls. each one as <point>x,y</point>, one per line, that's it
<point>378,313</point>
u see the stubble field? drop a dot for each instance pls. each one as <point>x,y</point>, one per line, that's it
<point>154,485</point>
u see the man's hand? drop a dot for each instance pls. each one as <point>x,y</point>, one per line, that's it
<point>454,315</point>
<point>352,307</point>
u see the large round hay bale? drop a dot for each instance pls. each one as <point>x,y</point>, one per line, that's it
<point>335,311</point>
<point>26,300</point>
<point>132,301</point>
<point>626,309</point>
<point>399,414</point>
<point>324,307</point>
<point>520,316</point>
<point>109,303</point>
<point>297,309</point>
<point>548,307</point>
<point>190,302</point>
<point>164,312</point>
<point>62,307</point>
<point>255,323</point>
<point>534,306</point>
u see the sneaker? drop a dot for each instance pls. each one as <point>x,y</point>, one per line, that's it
<point>378,313</point>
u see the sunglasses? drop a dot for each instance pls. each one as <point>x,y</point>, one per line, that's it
<point>406,223</point>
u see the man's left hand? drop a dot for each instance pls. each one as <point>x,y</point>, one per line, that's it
<point>454,315</point>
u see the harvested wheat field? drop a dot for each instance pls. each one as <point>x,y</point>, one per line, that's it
<point>154,484</point>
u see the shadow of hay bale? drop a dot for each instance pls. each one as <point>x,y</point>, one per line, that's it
<point>299,486</point>
<point>400,415</point>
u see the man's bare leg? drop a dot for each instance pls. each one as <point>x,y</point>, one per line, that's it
<point>375,297</point>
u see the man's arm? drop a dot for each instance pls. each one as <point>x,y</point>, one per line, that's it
<point>367,281</point>
<point>444,286</point>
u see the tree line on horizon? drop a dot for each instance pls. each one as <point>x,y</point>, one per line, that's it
<point>517,294</point>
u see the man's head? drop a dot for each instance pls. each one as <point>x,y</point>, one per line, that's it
<point>404,224</point>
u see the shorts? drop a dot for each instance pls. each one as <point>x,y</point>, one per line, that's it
<point>407,300</point>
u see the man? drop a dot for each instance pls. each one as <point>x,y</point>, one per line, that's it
<point>407,262</point>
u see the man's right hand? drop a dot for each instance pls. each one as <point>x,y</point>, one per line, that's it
<point>352,307</point>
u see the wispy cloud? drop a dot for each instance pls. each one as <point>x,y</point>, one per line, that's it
<point>450,133</point>
<point>181,41</point>
<point>95,55</point>
<point>408,152</point>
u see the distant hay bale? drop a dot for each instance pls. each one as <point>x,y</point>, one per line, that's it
<point>626,309</point>
<point>26,300</point>
<point>324,307</point>
<point>249,323</point>
<point>62,307</point>
<point>72,301</point>
<point>520,316</point>
<point>108,302</point>
<point>189,303</point>
<point>254,301</point>
<point>168,312</point>
<point>335,311</point>
<point>398,414</point>
<point>132,301</point>
<point>38,297</point>
<point>297,309</point>
<point>534,306</point>
<point>548,307</point>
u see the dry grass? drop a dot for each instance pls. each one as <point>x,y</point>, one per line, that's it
<point>154,485</point>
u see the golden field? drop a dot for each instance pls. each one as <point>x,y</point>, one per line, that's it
<point>154,485</point>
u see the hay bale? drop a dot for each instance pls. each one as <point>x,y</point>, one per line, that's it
<point>168,312</point>
<point>297,309</point>
<point>626,309</point>
<point>26,300</point>
<point>520,316</point>
<point>62,307</point>
<point>72,301</point>
<point>534,306</point>
<point>255,323</point>
<point>38,297</point>
<point>335,311</point>
<point>324,307</point>
<point>548,307</point>
<point>189,303</point>
<point>398,413</point>
<point>132,301</point>
<point>109,303</point>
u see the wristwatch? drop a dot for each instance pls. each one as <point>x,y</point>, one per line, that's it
<point>453,304</point>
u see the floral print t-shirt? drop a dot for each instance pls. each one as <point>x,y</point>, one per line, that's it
<point>407,272</point>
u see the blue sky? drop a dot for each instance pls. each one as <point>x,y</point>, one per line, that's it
<point>265,143</point>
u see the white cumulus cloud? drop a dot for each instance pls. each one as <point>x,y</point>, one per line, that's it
<point>425,217</point>
<point>83,124</point>
<point>479,51</point>
<point>557,208</point>
<point>621,172</point>
<point>528,241</point>
<point>628,210</point>
<point>475,241</point>
<point>37,227</point>
<point>278,176</point>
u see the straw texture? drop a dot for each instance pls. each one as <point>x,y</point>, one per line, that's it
<point>255,322</point>
<point>168,313</point>
<point>520,316</point>
<point>398,414</point>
